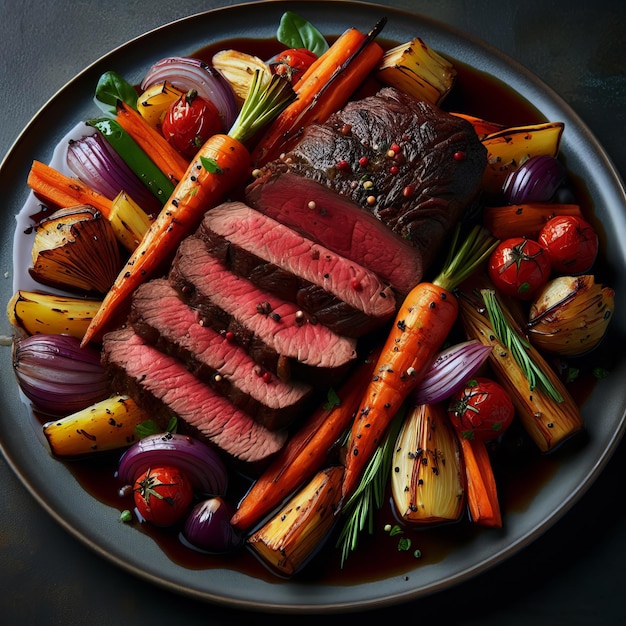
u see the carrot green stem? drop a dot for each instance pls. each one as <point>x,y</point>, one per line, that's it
<point>262,104</point>
<point>462,261</point>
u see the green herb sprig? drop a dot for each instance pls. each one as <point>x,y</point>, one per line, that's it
<point>517,346</point>
<point>360,508</point>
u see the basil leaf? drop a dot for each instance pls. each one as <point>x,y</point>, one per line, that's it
<point>210,165</point>
<point>112,88</point>
<point>295,32</point>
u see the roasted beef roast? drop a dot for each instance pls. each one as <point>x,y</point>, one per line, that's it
<point>154,378</point>
<point>337,292</point>
<point>161,318</point>
<point>411,165</point>
<point>275,332</point>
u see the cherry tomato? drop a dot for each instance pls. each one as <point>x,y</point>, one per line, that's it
<point>292,63</point>
<point>519,267</point>
<point>162,495</point>
<point>189,122</point>
<point>572,244</point>
<point>482,410</point>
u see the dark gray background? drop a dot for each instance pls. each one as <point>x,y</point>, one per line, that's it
<point>572,575</point>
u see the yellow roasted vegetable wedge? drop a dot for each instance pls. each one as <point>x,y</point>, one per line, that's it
<point>427,477</point>
<point>35,312</point>
<point>130,222</point>
<point>295,534</point>
<point>106,425</point>
<point>509,148</point>
<point>154,102</point>
<point>543,405</point>
<point>416,69</point>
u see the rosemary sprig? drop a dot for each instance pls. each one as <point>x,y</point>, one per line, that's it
<point>370,494</point>
<point>517,346</point>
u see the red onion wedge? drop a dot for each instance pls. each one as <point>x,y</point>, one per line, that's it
<point>201,463</point>
<point>187,73</point>
<point>57,375</point>
<point>450,370</point>
<point>94,162</point>
<point>535,180</point>
<point>208,528</point>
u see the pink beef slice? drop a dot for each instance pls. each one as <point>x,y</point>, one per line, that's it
<point>160,317</point>
<point>145,371</point>
<point>419,191</point>
<point>341,294</point>
<point>273,331</point>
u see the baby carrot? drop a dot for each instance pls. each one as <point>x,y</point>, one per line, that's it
<point>324,87</point>
<point>221,164</point>
<point>422,324</point>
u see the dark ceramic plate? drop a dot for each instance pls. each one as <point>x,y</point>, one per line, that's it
<point>97,525</point>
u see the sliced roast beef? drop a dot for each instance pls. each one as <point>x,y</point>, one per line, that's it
<point>339,293</point>
<point>160,317</point>
<point>413,166</point>
<point>152,376</point>
<point>338,223</point>
<point>276,333</point>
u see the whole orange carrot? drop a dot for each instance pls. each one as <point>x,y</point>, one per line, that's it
<point>422,324</point>
<point>220,165</point>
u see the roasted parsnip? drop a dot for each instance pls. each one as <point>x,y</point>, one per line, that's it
<point>295,534</point>
<point>545,409</point>
<point>416,69</point>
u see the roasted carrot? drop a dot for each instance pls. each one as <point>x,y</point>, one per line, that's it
<point>524,220</point>
<point>220,165</point>
<point>306,451</point>
<point>165,157</point>
<point>62,191</point>
<point>423,322</point>
<point>481,126</point>
<point>481,492</point>
<point>323,88</point>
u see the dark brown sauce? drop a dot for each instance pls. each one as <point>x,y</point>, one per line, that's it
<point>520,470</point>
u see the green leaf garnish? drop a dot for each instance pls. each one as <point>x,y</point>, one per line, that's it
<point>210,165</point>
<point>296,32</point>
<point>517,346</point>
<point>112,88</point>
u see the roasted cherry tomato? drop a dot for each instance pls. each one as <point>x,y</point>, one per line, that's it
<point>572,244</point>
<point>162,495</point>
<point>292,63</point>
<point>519,267</point>
<point>482,410</point>
<point>189,122</point>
